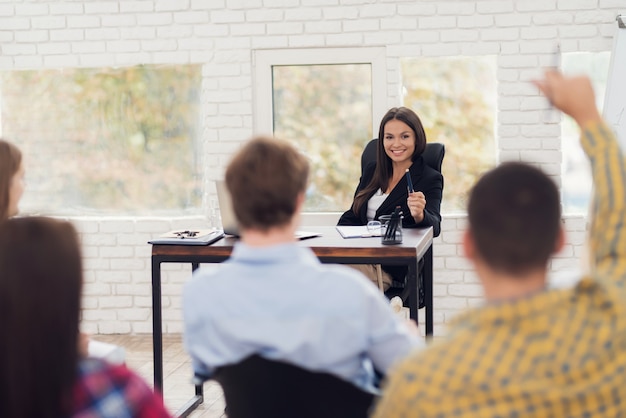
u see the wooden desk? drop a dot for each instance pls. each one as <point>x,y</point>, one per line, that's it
<point>329,248</point>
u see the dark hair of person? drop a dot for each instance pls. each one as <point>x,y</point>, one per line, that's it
<point>10,160</point>
<point>384,168</point>
<point>514,218</point>
<point>40,290</point>
<point>264,180</point>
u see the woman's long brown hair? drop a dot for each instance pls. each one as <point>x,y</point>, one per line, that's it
<point>10,160</point>
<point>40,290</point>
<point>384,167</point>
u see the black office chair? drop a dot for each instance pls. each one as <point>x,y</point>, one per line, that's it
<point>433,157</point>
<point>260,388</point>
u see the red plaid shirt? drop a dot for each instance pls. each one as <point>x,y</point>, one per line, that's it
<point>103,390</point>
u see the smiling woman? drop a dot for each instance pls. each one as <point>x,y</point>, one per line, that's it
<point>384,184</point>
<point>401,148</point>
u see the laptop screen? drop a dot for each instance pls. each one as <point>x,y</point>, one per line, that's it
<point>229,221</point>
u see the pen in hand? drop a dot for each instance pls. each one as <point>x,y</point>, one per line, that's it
<point>409,183</point>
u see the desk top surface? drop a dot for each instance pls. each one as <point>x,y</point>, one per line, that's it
<point>415,243</point>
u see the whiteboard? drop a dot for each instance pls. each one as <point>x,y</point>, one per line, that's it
<point>615,96</point>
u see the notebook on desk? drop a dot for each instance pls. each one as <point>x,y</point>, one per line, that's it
<point>229,221</point>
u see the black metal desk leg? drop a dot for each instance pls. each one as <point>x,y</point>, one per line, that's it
<point>427,271</point>
<point>157,342</point>
<point>412,282</point>
<point>157,327</point>
<point>199,398</point>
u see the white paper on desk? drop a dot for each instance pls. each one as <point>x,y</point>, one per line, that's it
<point>357,231</point>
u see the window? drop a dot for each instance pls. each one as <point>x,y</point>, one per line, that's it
<point>325,103</point>
<point>106,140</point>
<point>455,99</point>
<point>576,180</point>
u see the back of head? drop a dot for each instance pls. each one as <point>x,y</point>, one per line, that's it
<point>265,179</point>
<point>40,289</point>
<point>10,160</point>
<point>514,218</point>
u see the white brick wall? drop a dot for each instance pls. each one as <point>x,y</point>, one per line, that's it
<point>220,35</point>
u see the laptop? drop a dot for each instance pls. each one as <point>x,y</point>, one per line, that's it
<point>229,221</point>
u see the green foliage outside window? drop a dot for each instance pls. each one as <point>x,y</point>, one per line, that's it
<point>325,110</point>
<point>455,99</point>
<point>106,140</point>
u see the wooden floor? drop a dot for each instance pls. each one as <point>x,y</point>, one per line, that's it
<point>177,373</point>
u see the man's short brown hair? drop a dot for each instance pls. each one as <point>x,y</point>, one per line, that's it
<point>514,218</point>
<point>264,180</point>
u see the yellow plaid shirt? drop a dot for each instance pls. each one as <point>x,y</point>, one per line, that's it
<point>558,353</point>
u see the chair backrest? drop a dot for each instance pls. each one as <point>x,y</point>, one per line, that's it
<point>257,387</point>
<point>433,154</point>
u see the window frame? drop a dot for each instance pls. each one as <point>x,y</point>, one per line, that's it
<point>264,59</point>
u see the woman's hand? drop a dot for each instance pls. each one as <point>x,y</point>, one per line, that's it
<point>416,203</point>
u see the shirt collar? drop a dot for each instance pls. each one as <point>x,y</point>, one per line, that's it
<point>280,253</point>
<point>508,311</point>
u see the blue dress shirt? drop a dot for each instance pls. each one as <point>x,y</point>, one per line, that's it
<point>280,302</point>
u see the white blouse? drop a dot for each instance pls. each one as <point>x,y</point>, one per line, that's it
<point>374,203</point>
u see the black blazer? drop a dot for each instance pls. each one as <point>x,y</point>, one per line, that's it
<point>425,179</point>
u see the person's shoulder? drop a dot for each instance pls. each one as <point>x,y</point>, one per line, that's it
<point>429,172</point>
<point>100,383</point>
<point>90,365</point>
<point>424,364</point>
<point>97,380</point>
<point>98,370</point>
<point>602,290</point>
<point>429,176</point>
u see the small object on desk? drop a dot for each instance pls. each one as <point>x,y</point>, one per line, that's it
<point>409,182</point>
<point>302,235</point>
<point>189,237</point>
